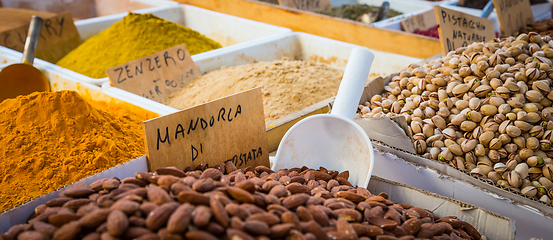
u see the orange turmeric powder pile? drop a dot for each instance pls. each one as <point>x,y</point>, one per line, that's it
<point>51,139</point>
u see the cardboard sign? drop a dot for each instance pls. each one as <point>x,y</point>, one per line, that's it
<point>423,21</point>
<point>58,36</point>
<point>459,29</point>
<point>156,76</point>
<point>308,5</point>
<point>513,14</point>
<point>227,129</point>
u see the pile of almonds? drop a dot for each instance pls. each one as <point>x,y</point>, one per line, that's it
<point>228,203</point>
<point>544,27</point>
<point>485,108</point>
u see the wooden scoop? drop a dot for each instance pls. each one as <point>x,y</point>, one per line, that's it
<point>22,78</point>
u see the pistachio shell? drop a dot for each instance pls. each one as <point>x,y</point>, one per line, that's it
<point>499,167</point>
<point>548,171</point>
<point>513,131</point>
<point>533,96</point>
<point>522,169</point>
<point>488,110</point>
<point>514,179</point>
<point>495,144</point>
<point>529,191</point>
<point>532,143</point>
<point>445,156</point>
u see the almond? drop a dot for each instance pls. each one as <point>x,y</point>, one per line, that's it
<point>170,171</point>
<point>62,218</point>
<point>126,206</point>
<point>290,217</point>
<point>135,181</point>
<point>235,210</point>
<point>354,197</point>
<point>219,211</point>
<point>47,229</point>
<point>159,216</point>
<point>279,191</point>
<point>76,203</point>
<point>240,194</point>
<point>295,188</point>
<point>68,231</point>
<point>193,198</point>
<point>31,235</point>
<point>392,214</point>
<point>117,223</point>
<point>78,192</point>
<point>426,231</point>
<point>95,218</point>
<point>411,226</point>
<point>344,175</point>
<point>110,184</point>
<point>57,202</point>
<point>321,175</point>
<point>199,235</point>
<point>204,185</point>
<point>351,215</point>
<point>148,236</point>
<point>316,229</point>
<point>180,219</point>
<point>157,195</point>
<point>265,217</point>
<point>238,235</point>
<point>304,214</point>
<point>92,236</point>
<point>147,207</point>
<point>295,200</point>
<point>167,180</point>
<point>97,185</point>
<point>319,215</point>
<point>178,187</point>
<point>87,208</point>
<point>281,230</point>
<point>137,221</point>
<point>212,173</point>
<point>230,167</point>
<point>247,185</point>
<point>367,230</point>
<point>202,215</point>
<point>136,232</point>
<point>256,227</point>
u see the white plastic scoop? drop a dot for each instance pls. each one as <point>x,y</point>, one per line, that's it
<point>333,140</point>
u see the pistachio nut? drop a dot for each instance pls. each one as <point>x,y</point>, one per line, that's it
<point>529,191</point>
<point>505,139</point>
<point>547,171</point>
<point>499,167</point>
<point>494,176</point>
<point>494,155</point>
<point>491,127</point>
<point>486,137</point>
<point>488,110</point>
<point>511,147</point>
<point>449,133</point>
<point>533,117</point>
<point>522,169</point>
<point>514,179</point>
<point>495,144</point>
<point>470,157</point>
<point>469,145</point>
<point>515,102</point>
<point>545,145</point>
<point>545,199</point>
<point>532,74</point>
<point>525,153</point>
<point>503,183</point>
<point>420,146</point>
<point>478,172</point>
<point>435,152</point>
<point>545,182</point>
<point>533,96</point>
<point>511,116</point>
<point>523,126</point>
<point>445,156</point>
<point>455,149</point>
<point>428,130</point>
<point>477,132</point>
<point>546,115</point>
<point>482,91</point>
<point>511,164</point>
<point>534,173</point>
<point>458,163</point>
<point>468,126</point>
<point>532,143</point>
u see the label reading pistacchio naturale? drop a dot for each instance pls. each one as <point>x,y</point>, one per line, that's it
<point>227,129</point>
<point>459,29</point>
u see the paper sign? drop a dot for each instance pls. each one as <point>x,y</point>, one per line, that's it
<point>156,76</point>
<point>58,36</point>
<point>459,29</point>
<point>423,21</point>
<point>227,129</point>
<point>513,14</point>
<point>308,5</point>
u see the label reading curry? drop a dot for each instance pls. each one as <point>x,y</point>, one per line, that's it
<point>156,76</point>
<point>227,129</point>
<point>58,37</point>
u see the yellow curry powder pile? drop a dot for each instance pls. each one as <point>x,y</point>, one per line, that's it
<point>51,139</point>
<point>134,37</point>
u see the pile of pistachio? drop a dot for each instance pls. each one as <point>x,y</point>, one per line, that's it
<point>485,108</point>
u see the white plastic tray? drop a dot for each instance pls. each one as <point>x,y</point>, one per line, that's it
<point>298,46</point>
<point>225,29</point>
<point>83,9</point>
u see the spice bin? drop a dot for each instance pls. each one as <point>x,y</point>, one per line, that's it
<point>225,29</point>
<point>21,213</point>
<point>295,46</point>
<point>83,9</point>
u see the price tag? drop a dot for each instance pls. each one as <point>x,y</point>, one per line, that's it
<point>156,76</point>
<point>58,36</point>
<point>459,29</point>
<point>227,129</point>
<point>513,14</point>
<point>423,21</point>
<point>308,5</point>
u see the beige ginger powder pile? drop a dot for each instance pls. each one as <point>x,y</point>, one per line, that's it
<point>287,85</point>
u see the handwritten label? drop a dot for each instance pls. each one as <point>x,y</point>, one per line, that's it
<point>227,129</point>
<point>308,5</point>
<point>58,37</point>
<point>156,76</point>
<point>513,14</point>
<point>459,29</point>
<point>423,21</point>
